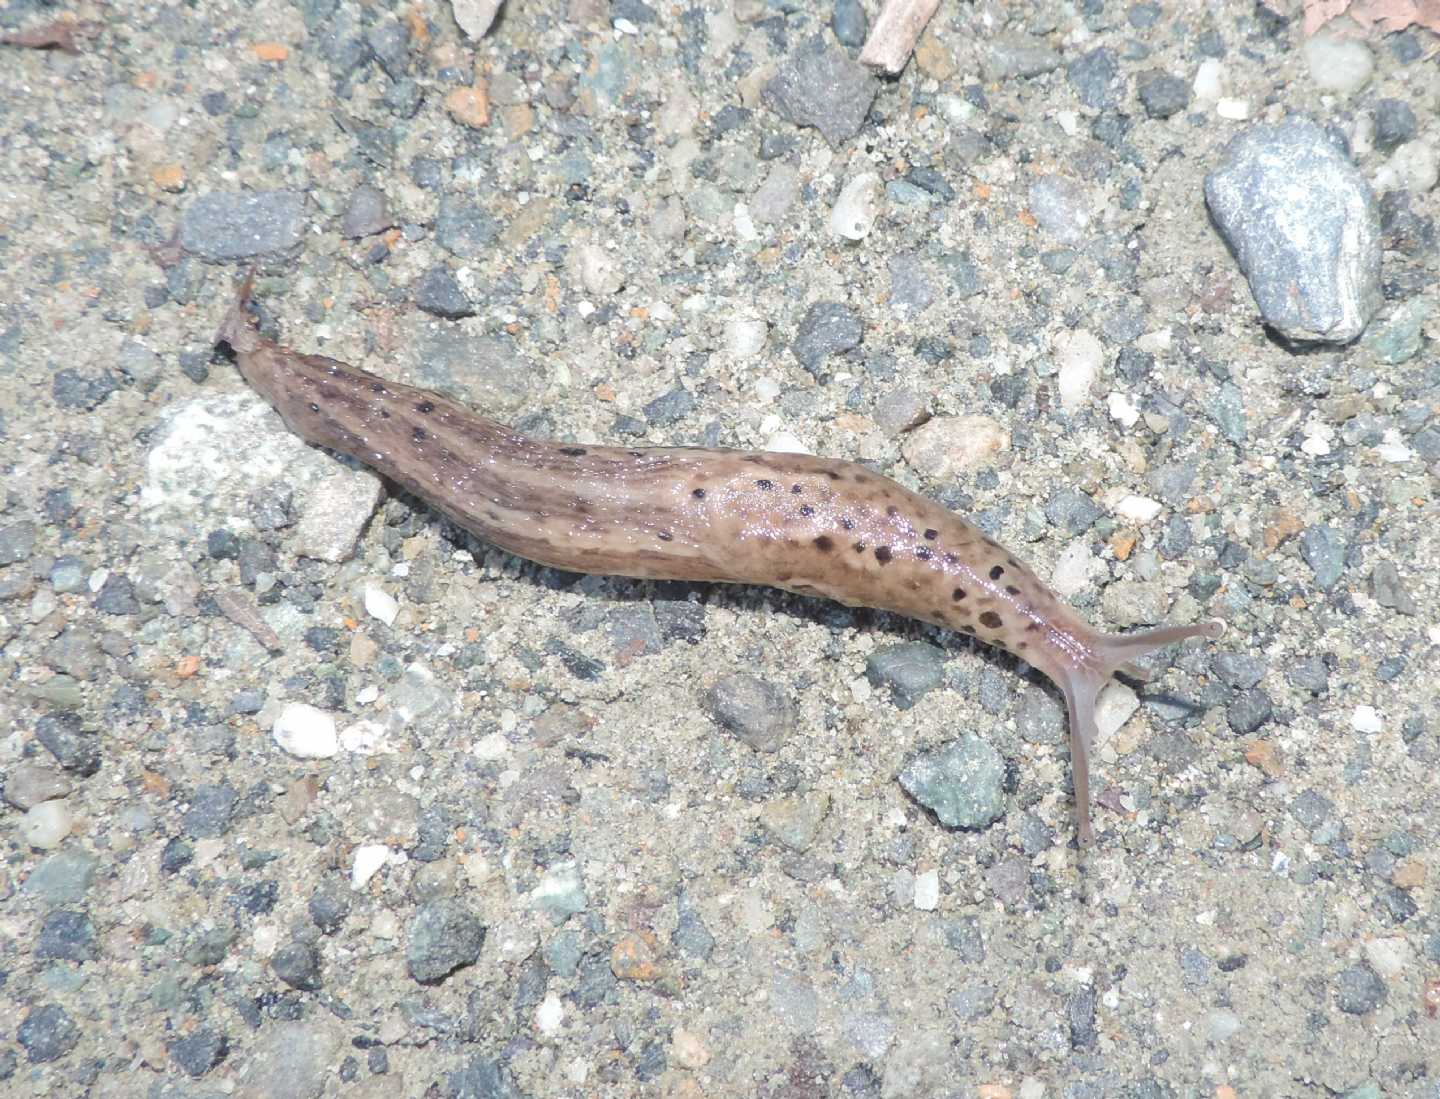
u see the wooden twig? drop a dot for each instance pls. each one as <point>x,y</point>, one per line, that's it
<point>895,33</point>
<point>59,35</point>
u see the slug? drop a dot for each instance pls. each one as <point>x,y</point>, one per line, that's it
<point>816,526</point>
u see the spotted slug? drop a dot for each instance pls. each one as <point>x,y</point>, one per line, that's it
<point>815,526</point>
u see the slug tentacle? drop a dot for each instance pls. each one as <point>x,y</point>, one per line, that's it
<point>811,525</point>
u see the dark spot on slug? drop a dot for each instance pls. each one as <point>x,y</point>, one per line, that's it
<point>1011,589</point>
<point>824,543</point>
<point>883,554</point>
<point>1014,564</point>
<point>573,451</point>
<point>1034,627</point>
<point>418,434</point>
<point>806,510</point>
<point>991,619</point>
<point>384,414</point>
<point>967,628</point>
<point>950,559</point>
<point>665,536</point>
<point>859,547</point>
<point>376,387</point>
<point>425,407</point>
<point>699,494</point>
<point>327,391</point>
<point>931,535</point>
<point>832,475</point>
<point>848,524</point>
<point>637,454</point>
<point>314,407</point>
<point>892,511</point>
<point>958,594</point>
<point>923,553</point>
<point>1022,644</point>
<point>997,572</point>
<point>797,489</point>
<point>765,483</point>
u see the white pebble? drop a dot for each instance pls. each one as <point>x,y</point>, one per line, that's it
<point>1138,509</point>
<point>364,738</point>
<point>46,825</point>
<point>1113,708</point>
<point>1122,409</point>
<point>1210,81</point>
<point>305,732</point>
<point>380,604</point>
<point>766,390</point>
<point>1366,719</point>
<point>745,336</point>
<point>599,271</point>
<point>948,445</point>
<point>1388,956</point>
<point>855,211</point>
<point>1416,166</point>
<point>368,859</point>
<point>1073,569</point>
<point>1080,356</point>
<point>927,890</point>
<point>1236,110</point>
<point>1338,65</point>
<point>782,442</point>
<point>549,1015</point>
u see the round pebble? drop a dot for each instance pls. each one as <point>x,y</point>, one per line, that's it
<point>46,825</point>
<point>855,210</point>
<point>1340,66</point>
<point>949,445</point>
<point>306,732</point>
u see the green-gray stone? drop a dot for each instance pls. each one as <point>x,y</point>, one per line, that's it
<point>960,782</point>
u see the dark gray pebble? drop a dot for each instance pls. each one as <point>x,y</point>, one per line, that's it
<point>367,213</point>
<point>211,808</point>
<point>210,947</point>
<point>1238,669</point>
<point>1309,674</point>
<point>691,936</point>
<point>481,1078</point>
<point>1095,78</point>
<point>329,905</point>
<point>199,1051</point>
<point>444,936</point>
<point>754,709</point>
<point>117,596</point>
<point>298,965</point>
<point>962,782</point>
<point>1395,124</point>
<point>1163,94</point>
<point>1359,989</point>
<point>670,407</point>
<point>63,878</point>
<point>75,749</point>
<point>1250,711</point>
<point>820,86</point>
<point>910,669</point>
<point>1324,553</point>
<point>465,230</point>
<point>1312,808</point>
<point>226,226</point>
<point>68,935</point>
<point>828,328</point>
<point>437,292</point>
<point>1388,590</point>
<point>48,1033</point>
<point>1071,511</point>
<point>84,391</point>
<point>850,23</point>
<point>1080,1014</point>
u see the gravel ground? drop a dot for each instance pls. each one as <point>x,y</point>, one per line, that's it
<point>309,793</point>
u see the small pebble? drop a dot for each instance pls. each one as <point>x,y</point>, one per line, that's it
<point>380,604</point>
<point>947,446</point>
<point>29,784</point>
<point>444,936</point>
<point>927,890</point>
<point>1338,65</point>
<point>1079,358</point>
<point>745,336</point>
<point>46,825</point>
<point>910,669</point>
<point>366,861</point>
<point>753,709</point>
<point>306,732</point>
<point>962,782</point>
<point>858,205</point>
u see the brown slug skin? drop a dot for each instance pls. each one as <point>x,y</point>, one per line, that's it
<point>811,525</point>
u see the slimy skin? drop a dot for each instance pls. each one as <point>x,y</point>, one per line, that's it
<point>816,526</point>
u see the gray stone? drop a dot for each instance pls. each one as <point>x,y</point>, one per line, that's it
<point>444,936</point>
<point>481,1078</point>
<point>691,936</point>
<point>910,669</point>
<point>1096,78</point>
<point>795,821</point>
<point>142,366</point>
<point>1304,227</point>
<point>226,226</point>
<point>1240,670</point>
<point>1162,94</point>
<point>76,653</point>
<point>63,878</point>
<point>1309,674</point>
<point>1324,553</point>
<point>972,1002</point>
<point>437,292</point>
<point>31,783</point>
<point>17,542</point>
<point>1359,990</point>
<point>1227,409</point>
<point>670,407</point>
<point>367,213</point>
<point>1021,56</point>
<point>1312,808</point>
<point>821,87</point>
<point>910,289</point>
<point>850,23</point>
<point>1061,207</point>
<point>485,371</point>
<point>47,1033</point>
<point>211,808</point>
<point>293,1059</point>
<point>1388,590</point>
<point>1250,711</point>
<point>754,709</point>
<point>298,965</point>
<point>1071,511</point>
<point>828,328</point>
<point>1395,124</point>
<point>794,1001</point>
<point>1040,716</point>
<point>199,1051</point>
<point>965,278</point>
<point>67,935</point>
<point>464,229</point>
<point>961,782</point>
<point>1080,1014</point>
<point>73,747</point>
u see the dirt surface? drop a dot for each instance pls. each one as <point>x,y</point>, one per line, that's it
<point>310,793</point>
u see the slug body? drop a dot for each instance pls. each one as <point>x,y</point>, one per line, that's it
<point>810,525</point>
